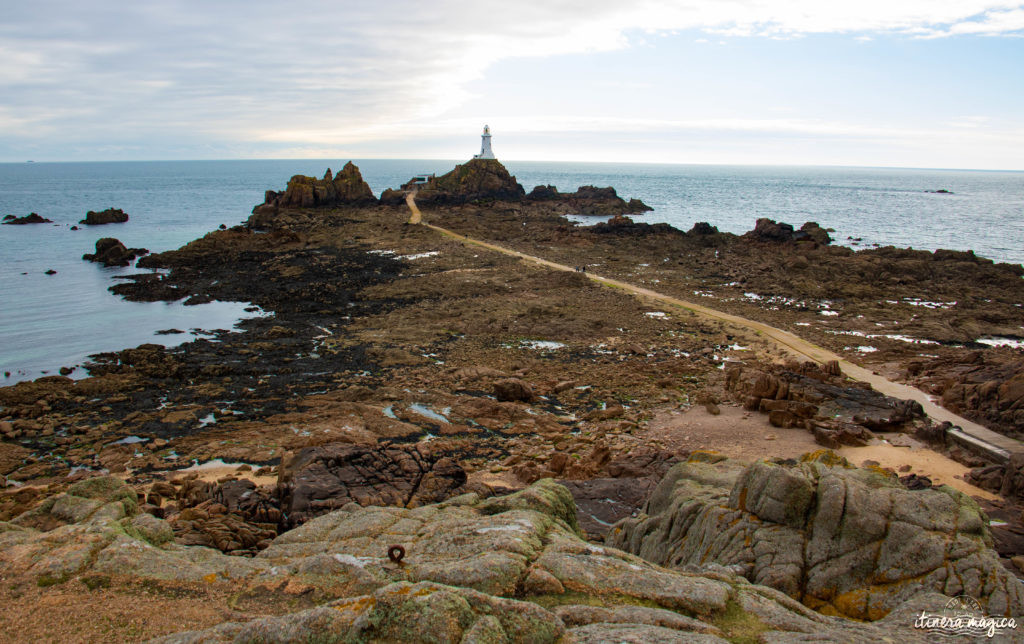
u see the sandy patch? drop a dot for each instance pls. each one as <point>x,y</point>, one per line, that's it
<point>922,461</point>
<point>735,432</point>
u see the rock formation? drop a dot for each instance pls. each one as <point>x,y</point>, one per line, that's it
<point>840,539</point>
<point>319,479</point>
<point>346,189</point>
<point>590,200</point>
<point>108,216</point>
<point>31,218</point>
<point>475,180</point>
<point>836,411</point>
<point>770,230</point>
<point>111,252</point>
<point>464,561</point>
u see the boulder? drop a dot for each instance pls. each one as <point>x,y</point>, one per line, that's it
<point>31,218</point>
<point>111,252</point>
<point>842,540</point>
<point>108,216</point>
<point>512,390</point>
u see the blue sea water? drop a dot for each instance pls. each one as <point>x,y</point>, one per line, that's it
<point>49,321</point>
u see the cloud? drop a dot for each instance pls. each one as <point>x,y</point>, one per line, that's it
<point>346,72</point>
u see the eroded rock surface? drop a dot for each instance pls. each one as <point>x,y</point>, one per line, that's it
<point>509,568</point>
<point>323,478</point>
<point>840,539</point>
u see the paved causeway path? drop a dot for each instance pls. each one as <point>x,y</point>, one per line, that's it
<point>969,433</point>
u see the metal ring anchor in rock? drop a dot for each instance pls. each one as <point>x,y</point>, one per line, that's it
<point>396,553</point>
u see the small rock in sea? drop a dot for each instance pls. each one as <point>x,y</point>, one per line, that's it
<point>31,218</point>
<point>223,227</point>
<point>7,374</point>
<point>66,370</point>
<point>50,272</point>
<point>169,332</point>
<point>108,216</point>
<point>74,228</point>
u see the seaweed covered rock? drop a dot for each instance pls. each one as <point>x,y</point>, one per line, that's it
<point>842,540</point>
<point>346,189</point>
<point>108,216</point>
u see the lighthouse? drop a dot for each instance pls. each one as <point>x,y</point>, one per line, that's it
<point>485,145</point>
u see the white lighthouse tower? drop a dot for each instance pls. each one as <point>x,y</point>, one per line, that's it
<point>485,145</point>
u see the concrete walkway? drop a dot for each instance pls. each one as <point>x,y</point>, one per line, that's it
<point>968,433</point>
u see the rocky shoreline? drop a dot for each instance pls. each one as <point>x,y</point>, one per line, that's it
<point>403,368</point>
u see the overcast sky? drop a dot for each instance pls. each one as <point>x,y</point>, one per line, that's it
<point>915,83</point>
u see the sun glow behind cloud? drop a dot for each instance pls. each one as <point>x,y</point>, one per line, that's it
<point>157,80</point>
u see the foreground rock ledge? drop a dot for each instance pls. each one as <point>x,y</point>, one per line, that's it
<point>840,539</point>
<point>509,568</point>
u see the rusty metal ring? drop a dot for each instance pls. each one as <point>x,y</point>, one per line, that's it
<point>396,553</point>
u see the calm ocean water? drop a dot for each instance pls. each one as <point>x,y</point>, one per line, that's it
<point>49,321</point>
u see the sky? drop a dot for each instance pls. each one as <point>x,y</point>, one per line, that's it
<point>902,83</point>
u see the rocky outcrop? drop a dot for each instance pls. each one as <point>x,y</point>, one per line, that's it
<point>590,200</point>
<point>819,399</point>
<point>772,231</point>
<point>507,568</point>
<point>346,189</point>
<point>475,180</point>
<point>987,387</point>
<point>840,539</point>
<point>319,479</point>
<point>111,252</point>
<point>31,218</point>
<point>108,216</point>
<point>623,226</point>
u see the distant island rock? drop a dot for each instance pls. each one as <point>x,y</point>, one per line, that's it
<point>108,216</point>
<point>591,200</point>
<point>111,252</point>
<point>31,218</point>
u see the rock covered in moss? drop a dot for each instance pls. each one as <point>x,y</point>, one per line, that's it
<point>503,569</point>
<point>840,539</point>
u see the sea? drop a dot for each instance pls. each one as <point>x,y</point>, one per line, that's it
<point>49,321</point>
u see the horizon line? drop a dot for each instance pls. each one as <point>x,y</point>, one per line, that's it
<point>566,161</point>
